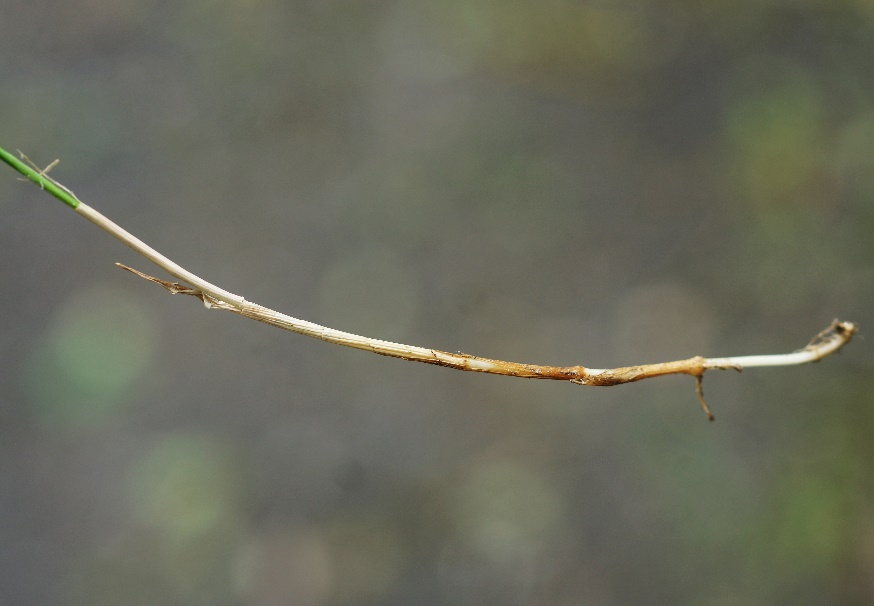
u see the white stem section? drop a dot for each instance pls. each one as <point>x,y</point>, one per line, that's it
<point>825,344</point>
<point>157,258</point>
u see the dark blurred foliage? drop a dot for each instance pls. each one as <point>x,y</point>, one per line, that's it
<point>564,182</point>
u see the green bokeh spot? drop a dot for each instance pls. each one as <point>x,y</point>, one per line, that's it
<point>777,136</point>
<point>507,510</point>
<point>854,162</point>
<point>93,349</point>
<point>187,486</point>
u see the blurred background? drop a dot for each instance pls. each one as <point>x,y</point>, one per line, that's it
<point>558,182</point>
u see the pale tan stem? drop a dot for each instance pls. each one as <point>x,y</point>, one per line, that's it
<point>827,342</point>
<point>157,258</point>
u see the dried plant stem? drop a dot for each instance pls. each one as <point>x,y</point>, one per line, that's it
<point>827,342</point>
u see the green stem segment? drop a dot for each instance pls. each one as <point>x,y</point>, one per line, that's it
<point>40,179</point>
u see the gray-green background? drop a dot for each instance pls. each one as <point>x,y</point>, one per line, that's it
<point>559,182</point>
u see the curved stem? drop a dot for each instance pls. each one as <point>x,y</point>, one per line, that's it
<point>825,343</point>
